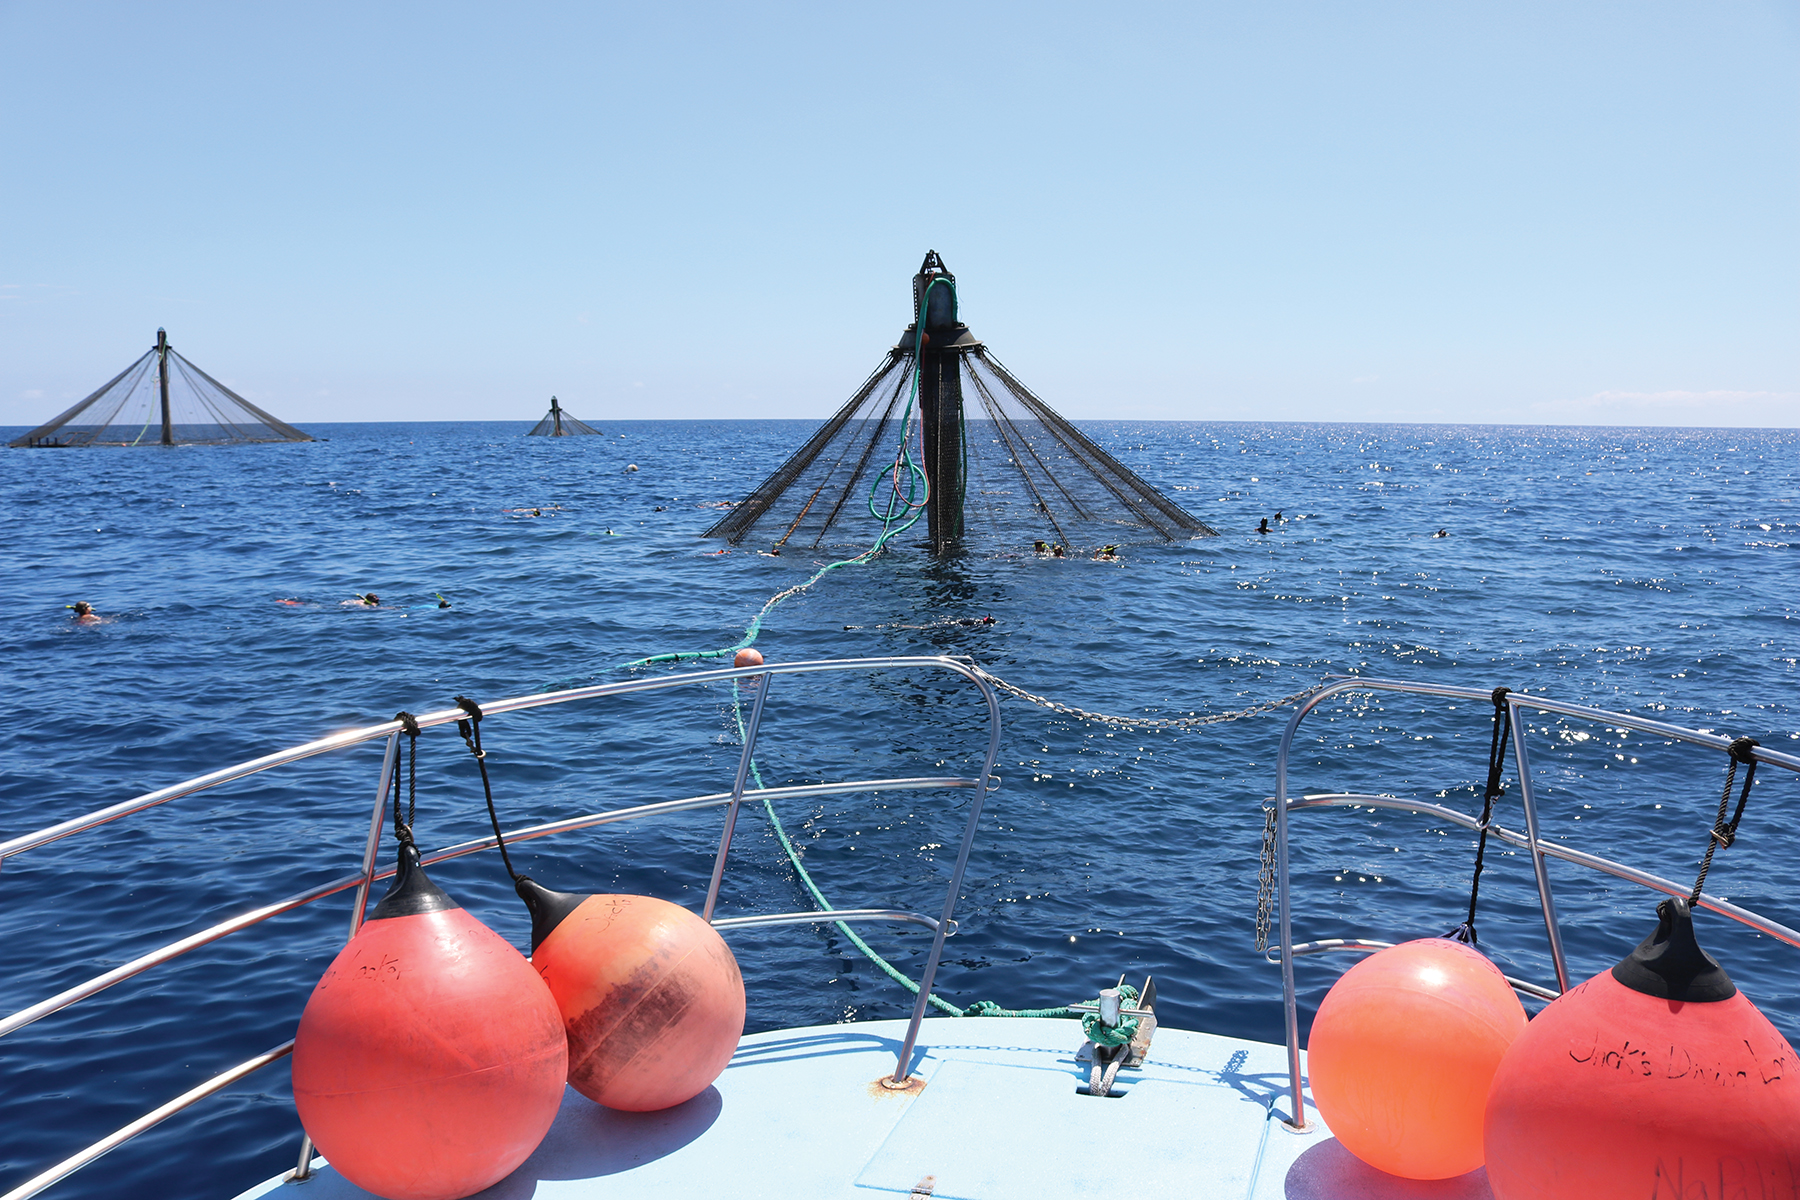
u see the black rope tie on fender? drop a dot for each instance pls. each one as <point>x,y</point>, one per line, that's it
<point>1725,832</point>
<point>403,828</point>
<point>1465,932</point>
<point>471,735</point>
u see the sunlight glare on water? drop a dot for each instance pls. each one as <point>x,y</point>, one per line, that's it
<point>1654,571</point>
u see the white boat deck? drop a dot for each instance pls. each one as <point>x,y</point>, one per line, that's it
<point>799,1115</point>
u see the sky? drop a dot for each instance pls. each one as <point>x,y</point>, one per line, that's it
<point>1559,213</point>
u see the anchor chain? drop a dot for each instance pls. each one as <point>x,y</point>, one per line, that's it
<point>1265,882</point>
<point>1194,721</point>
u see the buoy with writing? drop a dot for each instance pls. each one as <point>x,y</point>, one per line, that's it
<point>1656,1078</point>
<point>1402,1052</point>
<point>650,996</point>
<point>430,1059</point>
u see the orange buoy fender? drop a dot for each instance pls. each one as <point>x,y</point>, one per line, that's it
<point>430,1059</point>
<point>650,995</point>
<point>1656,1078</point>
<point>1402,1052</point>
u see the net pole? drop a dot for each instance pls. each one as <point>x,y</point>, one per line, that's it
<point>940,411</point>
<point>162,379</point>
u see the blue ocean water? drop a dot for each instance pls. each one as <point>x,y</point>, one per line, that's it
<point>1656,571</point>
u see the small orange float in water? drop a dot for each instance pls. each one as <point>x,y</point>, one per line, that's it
<point>1403,1050</point>
<point>748,658</point>
<point>650,995</point>
<point>429,1062</point>
<point>1656,1078</point>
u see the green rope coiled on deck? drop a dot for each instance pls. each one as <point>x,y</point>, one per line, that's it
<point>1102,1034</point>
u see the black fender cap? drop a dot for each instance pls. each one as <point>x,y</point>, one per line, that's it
<point>1670,964</point>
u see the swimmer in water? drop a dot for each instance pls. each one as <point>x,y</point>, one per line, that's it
<point>1278,514</point>
<point>1057,552</point>
<point>442,603</point>
<point>1041,546</point>
<point>1441,533</point>
<point>1109,553</point>
<point>84,613</point>
<point>1264,527</point>
<point>363,600</point>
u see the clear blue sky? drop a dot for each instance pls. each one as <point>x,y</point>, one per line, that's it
<point>1554,212</point>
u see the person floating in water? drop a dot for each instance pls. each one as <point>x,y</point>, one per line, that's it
<point>1108,553</point>
<point>1041,546</point>
<point>1278,514</point>
<point>1264,527</point>
<point>363,600</point>
<point>84,613</point>
<point>442,603</point>
<point>1441,533</point>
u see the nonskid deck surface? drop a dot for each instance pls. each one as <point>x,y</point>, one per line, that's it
<point>799,1113</point>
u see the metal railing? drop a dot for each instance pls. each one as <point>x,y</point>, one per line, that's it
<point>364,879</point>
<point>1516,704</point>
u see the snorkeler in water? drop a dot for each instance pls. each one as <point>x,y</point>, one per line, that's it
<point>84,613</point>
<point>1441,533</point>
<point>1041,546</point>
<point>1107,553</point>
<point>1057,552</point>
<point>442,603</point>
<point>363,600</point>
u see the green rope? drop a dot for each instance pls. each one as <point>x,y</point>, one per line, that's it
<point>981,1008</point>
<point>917,482</point>
<point>1102,1034</point>
<point>916,478</point>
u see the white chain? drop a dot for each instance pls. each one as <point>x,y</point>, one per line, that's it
<point>1191,722</point>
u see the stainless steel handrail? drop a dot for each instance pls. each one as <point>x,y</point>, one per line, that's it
<point>894,916</point>
<point>371,875</point>
<point>1371,946</point>
<point>1531,840</point>
<point>364,879</point>
<point>1619,870</point>
<point>353,737</point>
<point>154,1117</point>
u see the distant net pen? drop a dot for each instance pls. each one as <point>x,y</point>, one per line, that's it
<point>558,423</point>
<point>162,399</point>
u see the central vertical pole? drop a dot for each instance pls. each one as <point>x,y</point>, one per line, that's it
<point>941,410</point>
<point>556,417</point>
<point>939,336</point>
<point>162,378</point>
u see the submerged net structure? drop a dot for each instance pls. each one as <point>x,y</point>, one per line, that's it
<point>942,426</point>
<point>162,399</point>
<point>558,423</point>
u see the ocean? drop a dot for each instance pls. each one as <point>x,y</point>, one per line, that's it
<point>1655,571</point>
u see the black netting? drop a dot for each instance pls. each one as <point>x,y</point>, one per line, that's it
<point>130,411</point>
<point>1025,472</point>
<point>558,423</point>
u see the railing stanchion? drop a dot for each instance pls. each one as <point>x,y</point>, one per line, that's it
<point>737,793</point>
<point>1528,801</point>
<point>903,1061</point>
<point>371,849</point>
<point>1290,1002</point>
